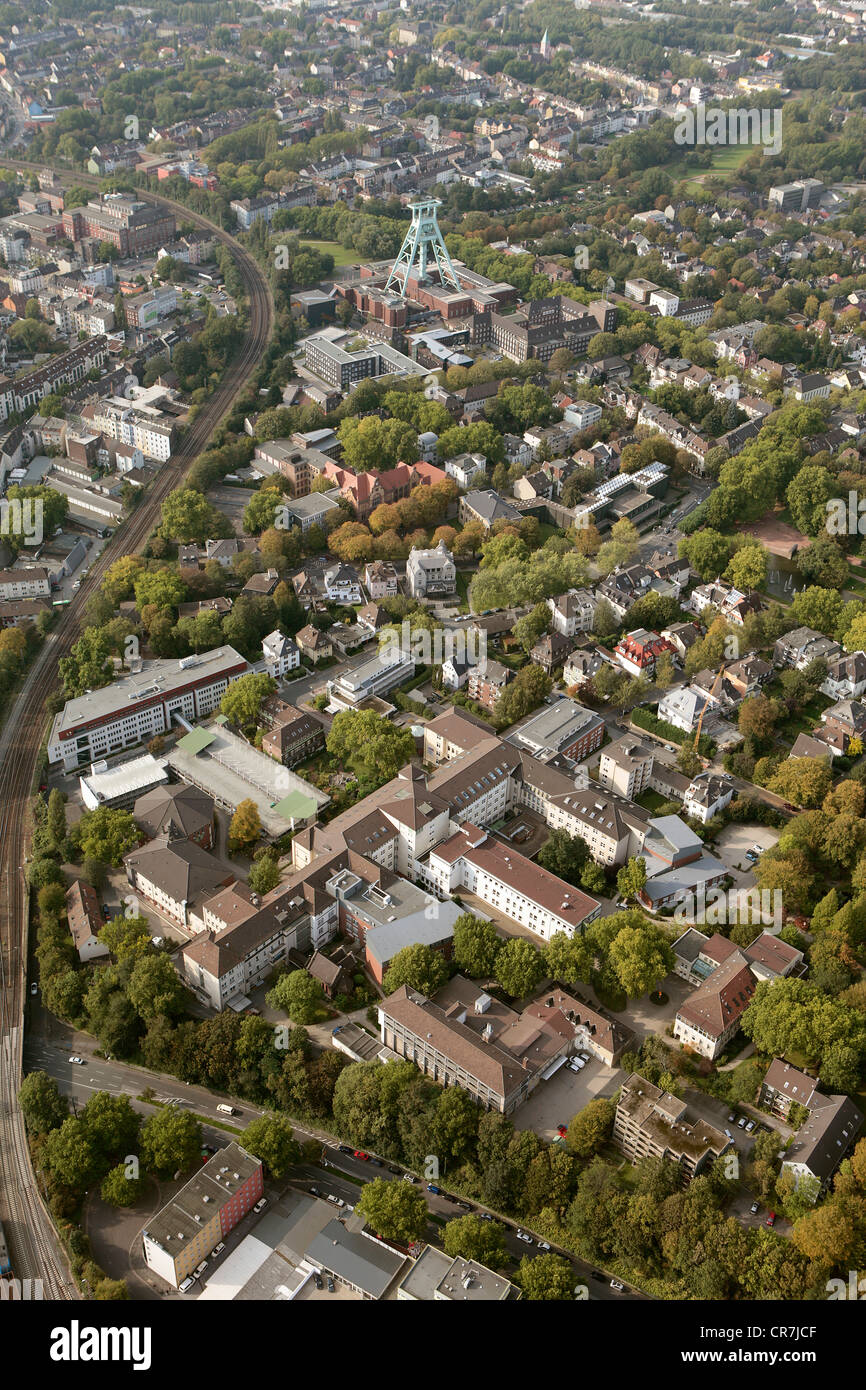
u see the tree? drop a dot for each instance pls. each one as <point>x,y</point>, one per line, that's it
<point>246,825</point>
<point>57,817</point>
<point>591,1127</point>
<point>471,1238</point>
<point>106,833</point>
<point>631,878</point>
<point>527,630</point>
<point>41,1103</point>
<point>805,781</point>
<point>154,988</point>
<point>70,1157</point>
<point>519,967</point>
<point>371,445</point>
<point>264,874</point>
<point>170,1140</point>
<point>707,551</point>
<point>640,958</point>
<point>371,743</point>
<point>112,1125</point>
<point>242,702</point>
<point>188,516</point>
<point>394,1211</point>
<point>299,995</point>
<point>120,1189</point>
<point>127,938</point>
<point>568,958</point>
<point>418,967</point>
<point>748,568</point>
<point>546,1277</point>
<point>757,718</point>
<point>270,1138</point>
<point>564,855</point>
<point>522,696</point>
<point>476,945</point>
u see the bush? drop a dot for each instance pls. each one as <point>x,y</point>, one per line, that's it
<point>645,719</point>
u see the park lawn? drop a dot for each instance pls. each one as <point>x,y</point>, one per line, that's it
<point>464,579</point>
<point>650,800</point>
<point>333,248</point>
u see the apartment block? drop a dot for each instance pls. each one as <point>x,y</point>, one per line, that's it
<point>653,1123</point>
<point>211,1204</point>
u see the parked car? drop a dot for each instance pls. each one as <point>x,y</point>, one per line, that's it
<point>771,1219</point>
<point>330,1284</point>
<point>338,1201</point>
<point>345,1148</point>
<point>398,1172</point>
<point>79,1061</point>
<point>187,1284</point>
<point>732,1118</point>
<point>741,1122</point>
<point>584,1056</point>
<point>521,1235</point>
<point>318,1279</point>
<point>261,1204</point>
<point>485,1216</point>
<point>754,1208</point>
<point>543,1245</point>
<point>376,1162</point>
<point>34,988</point>
<point>597,1275</point>
<point>431,1187</point>
<point>616,1286</point>
<point>561,1130</point>
<point>410,1177</point>
<point>200,1269</point>
<point>750,1126</point>
<point>218,1249</point>
<point>314,1191</point>
<point>359,1153</point>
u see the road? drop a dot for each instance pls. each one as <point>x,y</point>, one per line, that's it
<point>34,1249</point>
<point>344,1172</point>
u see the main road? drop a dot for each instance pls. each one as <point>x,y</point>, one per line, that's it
<point>34,1248</point>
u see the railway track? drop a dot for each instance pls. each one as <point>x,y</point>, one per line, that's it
<point>34,1248</point>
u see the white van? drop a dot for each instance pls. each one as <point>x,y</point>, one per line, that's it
<point>226,1110</point>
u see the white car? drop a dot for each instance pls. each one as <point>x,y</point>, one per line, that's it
<point>543,1245</point>
<point>338,1201</point>
<point>577,1064</point>
<point>79,1061</point>
<point>261,1204</point>
<point>187,1284</point>
<point>584,1056</point>
<point>34,988</point>
<point>521,1235</point>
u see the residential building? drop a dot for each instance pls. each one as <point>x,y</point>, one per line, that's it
<point>295,736</point>
<point>431,574</point>
<point>561,729</point>
<point>85,919</point>
<point>820,1144</point>
<point>784,1086</point>
<point>175,875</point>
<point>707,795</point>
<point>573,612</point>
<point>653,1123</point>
<point>201,1214</point>
<point>626,768</point>
<point>487,682</point>
<point>280,654</point>
<point>637,652</point>
<point>380,580</point>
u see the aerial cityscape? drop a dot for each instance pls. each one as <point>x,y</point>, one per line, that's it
<point>432,657</point>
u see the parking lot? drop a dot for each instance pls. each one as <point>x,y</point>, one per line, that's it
<point>554,1102</point>
<point>733,844</point>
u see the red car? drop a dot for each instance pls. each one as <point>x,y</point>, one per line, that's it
<point>359,1153</point>
<point>771,1219</point>
<point>562,1130</point>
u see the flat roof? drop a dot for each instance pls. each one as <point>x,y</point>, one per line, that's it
<point>156,680</point>
<point>111,782</point>
<point>230,770</point>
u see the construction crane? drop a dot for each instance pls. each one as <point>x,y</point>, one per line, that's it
<point>712,692</point>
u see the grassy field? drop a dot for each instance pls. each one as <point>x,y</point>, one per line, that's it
<point>340,254</point>
<point>725,159</point>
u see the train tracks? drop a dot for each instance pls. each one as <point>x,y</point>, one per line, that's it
<point>34,1249</point>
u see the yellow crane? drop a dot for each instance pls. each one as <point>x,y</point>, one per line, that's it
<point>712,692</point>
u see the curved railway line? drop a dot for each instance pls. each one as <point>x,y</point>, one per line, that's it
<point>34,1248</point>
